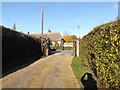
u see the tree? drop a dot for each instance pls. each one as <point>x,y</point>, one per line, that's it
<point>118,18</point>
<point>74,37</point>
<point>14,27</point>
<point>69,38</point>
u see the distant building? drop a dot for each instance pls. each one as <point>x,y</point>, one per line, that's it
<point>55,37</point>
<point>68,44</point>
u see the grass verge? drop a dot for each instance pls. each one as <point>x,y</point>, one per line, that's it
<point>79,69</point>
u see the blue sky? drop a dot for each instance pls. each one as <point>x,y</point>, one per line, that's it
<point>58,16</point>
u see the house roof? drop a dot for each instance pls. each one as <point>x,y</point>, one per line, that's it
<point>54,36</point>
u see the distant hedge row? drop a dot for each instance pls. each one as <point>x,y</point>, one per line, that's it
<point>100,49</point>
<point>17,46</point>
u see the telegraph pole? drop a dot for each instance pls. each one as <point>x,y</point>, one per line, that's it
<point>42,18</point>
<point>42,28</point>
<point>78,43</point>
<point>79,31</point>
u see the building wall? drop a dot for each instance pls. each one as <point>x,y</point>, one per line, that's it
<point>68,44</point>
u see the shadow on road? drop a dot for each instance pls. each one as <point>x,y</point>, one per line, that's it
<point>89,82</point>
<point>19,64</point>
<point>53,52</point>
<point>14,66</point>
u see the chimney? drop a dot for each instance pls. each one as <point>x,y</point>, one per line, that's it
<point>49,30</point>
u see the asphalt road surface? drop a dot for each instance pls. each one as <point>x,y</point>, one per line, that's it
<point>53,71</point>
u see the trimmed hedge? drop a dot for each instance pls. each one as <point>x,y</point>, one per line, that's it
<point>16,47</point>
<point>100,50</point>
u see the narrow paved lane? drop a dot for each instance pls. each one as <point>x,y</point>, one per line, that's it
<point>51,72</point>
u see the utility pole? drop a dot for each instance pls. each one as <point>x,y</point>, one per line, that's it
<point>42,28</point>
<point>79,31</point>
<point>42,18</point>
<point>78,43</point>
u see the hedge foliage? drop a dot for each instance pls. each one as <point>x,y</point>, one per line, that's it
<point>17,46</point>
<point>100,50</point>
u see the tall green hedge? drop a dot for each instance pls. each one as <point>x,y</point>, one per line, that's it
<point>100,50</point>
<point>16,47</point>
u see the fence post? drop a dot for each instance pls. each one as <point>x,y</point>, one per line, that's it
<point>77,47</point>
<point>74,48</point>
<point>62,44</point>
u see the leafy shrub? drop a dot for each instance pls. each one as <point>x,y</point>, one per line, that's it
<point>99,50</point>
